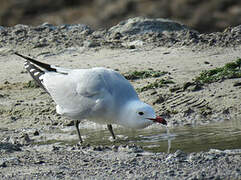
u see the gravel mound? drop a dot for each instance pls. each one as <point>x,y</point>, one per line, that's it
<point>205,16</point>
<point>44,36</point>
<point>140,26</point>
<point>152,32</point>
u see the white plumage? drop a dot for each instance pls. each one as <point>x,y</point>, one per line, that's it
<point>98,94</point>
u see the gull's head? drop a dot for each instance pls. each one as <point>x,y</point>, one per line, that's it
<point>137,114</point>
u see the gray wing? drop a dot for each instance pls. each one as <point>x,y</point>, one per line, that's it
<point>78,94</point>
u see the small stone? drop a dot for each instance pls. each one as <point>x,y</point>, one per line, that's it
<point>98,148</point>
<point>226,111</point>
<point>40,162</point>
<point>238,83</point>
<point>3,164</point>
<point>25,139</point>
<point>197,87</point>
<point>36,133</point>
<point>115,148</point>
<point>186,85</point>
<point>55,148</point>
<point>13,118</point>
<point>91,44</point>
<point>132,47</point>
<point>69,123</point>
<point>40,45</point>
<point>188,112</point>
<point>117,35</point>
<point>159,100</point>
<point>171,173</point>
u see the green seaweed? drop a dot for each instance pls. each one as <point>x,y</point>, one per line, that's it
<point>144,74</point>
<point>228,71</point>
<point>31,84</point>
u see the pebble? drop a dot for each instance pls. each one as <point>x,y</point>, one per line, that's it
<point>36,133</point>
<point>236,84</point>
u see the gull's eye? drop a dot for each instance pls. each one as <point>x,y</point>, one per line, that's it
<point>141,113</point>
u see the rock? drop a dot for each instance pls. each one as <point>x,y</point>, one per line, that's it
<point>238,83</point>
<point>236,30</point>
<point>69,123</point>
<point>36,133</point>
<point>135,26</point>
<point>91,44</point>
<point>98,148</point>
<point>25,139</point>
<point>177,156</point>
<point>192,86</point>
<point>5,162</point>
<point>13,118</point>
<point>188,112</point>
<point>160,99</point>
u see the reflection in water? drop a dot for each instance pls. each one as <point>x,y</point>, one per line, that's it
<point>169,141</point>
<point>222,135</point>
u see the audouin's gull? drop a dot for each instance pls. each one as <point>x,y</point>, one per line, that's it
<point>99,94</point>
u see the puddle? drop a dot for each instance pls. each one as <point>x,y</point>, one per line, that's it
<point>222,135</point>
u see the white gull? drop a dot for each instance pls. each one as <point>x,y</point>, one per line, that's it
<point>99,94</point>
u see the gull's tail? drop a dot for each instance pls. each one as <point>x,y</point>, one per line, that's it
<point>34,71</point>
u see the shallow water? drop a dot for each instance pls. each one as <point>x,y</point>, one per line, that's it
<point>221,135</point>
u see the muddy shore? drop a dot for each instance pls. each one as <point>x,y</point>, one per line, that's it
<point>31,130</point>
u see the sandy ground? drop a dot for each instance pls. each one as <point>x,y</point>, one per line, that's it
<point>27,111</point>
<point>182,65</point>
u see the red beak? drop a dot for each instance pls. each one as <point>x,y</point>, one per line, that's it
<point>159,120</point>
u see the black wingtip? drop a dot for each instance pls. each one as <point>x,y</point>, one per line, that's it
<point>25,57</point>
<point>33,70</point>
<point>40,64</point>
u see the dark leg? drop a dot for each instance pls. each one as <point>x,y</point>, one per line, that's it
<point>111,130</point>
<point>76,123</point>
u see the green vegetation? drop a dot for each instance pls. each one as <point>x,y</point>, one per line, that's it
<point>150,73</point>
<point>31,84</point>
<point>144,74</point>
<point>228,71</point>
<point>156,84</point>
